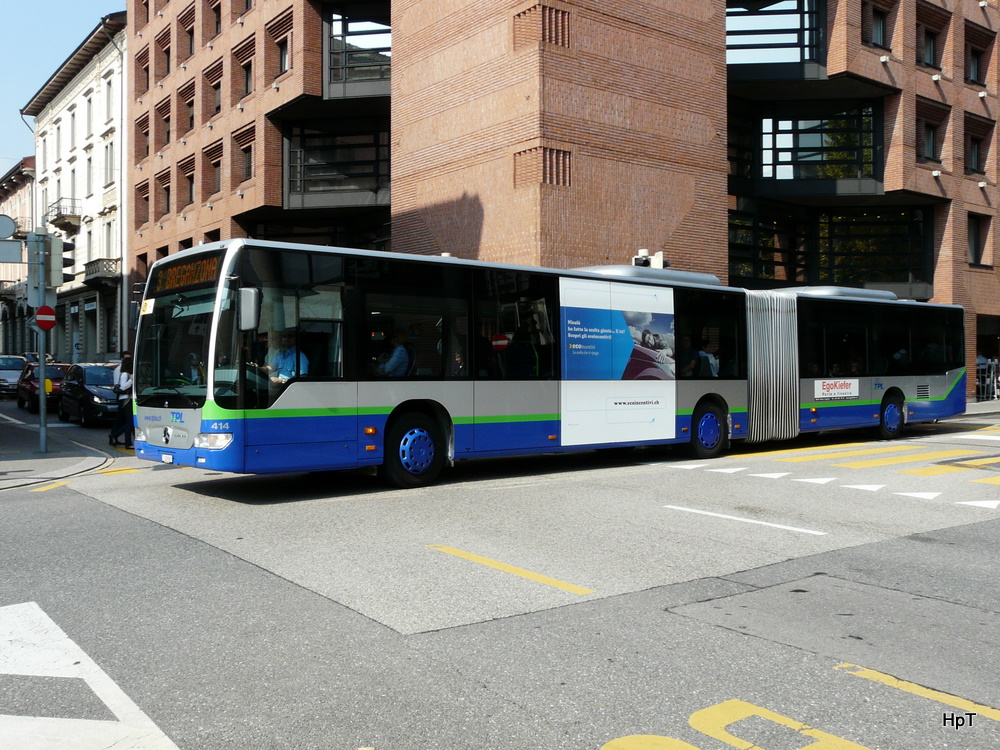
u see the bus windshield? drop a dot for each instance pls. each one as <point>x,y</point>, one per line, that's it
<point>173,349</point>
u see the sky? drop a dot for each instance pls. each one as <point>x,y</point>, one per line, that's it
<point>38,37</point>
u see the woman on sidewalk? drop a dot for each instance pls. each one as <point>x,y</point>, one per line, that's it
<point>123,387</point>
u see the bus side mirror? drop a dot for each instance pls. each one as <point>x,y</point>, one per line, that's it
<point>249,308</point>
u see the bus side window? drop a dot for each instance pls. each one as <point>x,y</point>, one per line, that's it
<point>514,325</point>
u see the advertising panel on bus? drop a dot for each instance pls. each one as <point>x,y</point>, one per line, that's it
<point>618,366</point>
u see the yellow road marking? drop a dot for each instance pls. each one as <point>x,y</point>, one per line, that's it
<point>803,450</point>
<point>989,480</point>
<point>537,577</point>
<point>118,471</point>
<point>981,461</point>
<point>934,471</point>
<point>846,454</point>
<point>907,459</point>
<point>911,687</point>
<point>49,487</point>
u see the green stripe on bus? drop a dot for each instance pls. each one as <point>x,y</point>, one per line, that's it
<point>508,418</point>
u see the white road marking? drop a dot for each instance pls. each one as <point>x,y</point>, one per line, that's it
<point>992,504</point>
<point>975,436</point>
<point>687,466</point>
<point>918,495</point>
<point>746,520</point>
<point>825,480</point>
<point>729,471</point>
<point>31,644</point>
<point>776,475</point>
<point>868,487</point>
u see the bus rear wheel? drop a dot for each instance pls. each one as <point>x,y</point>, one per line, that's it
<point>414,452</point>
<point>891,418</point>
<point>708,431</point>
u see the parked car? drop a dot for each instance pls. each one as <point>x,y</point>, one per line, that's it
<point>86,394</point>
<point>27,385</point>
<point>10,370</point>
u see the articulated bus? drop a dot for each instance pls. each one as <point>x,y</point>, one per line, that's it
<point>262,357</point>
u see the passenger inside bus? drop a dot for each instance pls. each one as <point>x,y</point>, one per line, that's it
<point>401,359</point>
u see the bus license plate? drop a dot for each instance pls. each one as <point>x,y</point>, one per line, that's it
<point>167,458</point>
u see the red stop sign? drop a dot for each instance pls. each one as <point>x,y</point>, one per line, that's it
<point>45,318</point>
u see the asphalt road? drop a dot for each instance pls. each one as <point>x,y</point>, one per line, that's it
<point>837,591</point>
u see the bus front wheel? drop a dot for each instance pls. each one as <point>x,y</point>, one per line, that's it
<point>414,452</point>
<point>891,418</point>
<point>708,431</point>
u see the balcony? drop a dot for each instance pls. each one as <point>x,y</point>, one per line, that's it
<point>64,214</point>
<point>102,273</point>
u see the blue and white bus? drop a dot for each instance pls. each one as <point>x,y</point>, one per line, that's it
<point>260,357</point>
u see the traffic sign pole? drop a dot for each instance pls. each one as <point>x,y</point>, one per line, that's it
<point>45,319</point>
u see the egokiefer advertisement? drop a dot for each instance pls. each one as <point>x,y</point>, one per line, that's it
<point>618,364</point>
<point>837,389</point>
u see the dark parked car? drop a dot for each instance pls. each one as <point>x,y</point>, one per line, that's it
<point>27,385</point>
<point>10,370</point>
<point>87,394</point>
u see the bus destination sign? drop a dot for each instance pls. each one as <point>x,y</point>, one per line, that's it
<point>194,272</point>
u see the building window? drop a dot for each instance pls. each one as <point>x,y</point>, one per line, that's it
<point>978,228</point>
<point>978,135</point>
<point>90,116</point>
<point>880,28</point>
<point>189,181</point>
<point>216,11</point>
<point>247,152</point>
<point>283,56</point>
<point>932,121</point>
<point>360,48</point>
<point>975,162</point>
<point>978,52</point>
<point>109,164</point>
<point>90,176</point>
<point>831,142</point>
<point>929,148</point>
<point>109,99</point>
<point>928,54</point>
<point>974,73</point>
<point>248,77</point>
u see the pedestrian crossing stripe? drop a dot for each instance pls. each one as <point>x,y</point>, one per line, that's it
<point>848,454</point>
<point>934,471</point>
<point>911,458</point>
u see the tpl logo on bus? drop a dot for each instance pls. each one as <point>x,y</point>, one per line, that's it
<point>176,416</point>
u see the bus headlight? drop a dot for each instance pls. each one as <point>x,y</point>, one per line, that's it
<point>139,434</point>
<point>215,441</point>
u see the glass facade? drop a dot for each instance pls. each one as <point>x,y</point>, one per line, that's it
<point>321,161</point>
<point>847,247</point>
<point>839,144</point>
<point>785,31</point>
<point>360,46</point>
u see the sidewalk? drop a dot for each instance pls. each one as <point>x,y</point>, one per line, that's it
<point>22,464</point>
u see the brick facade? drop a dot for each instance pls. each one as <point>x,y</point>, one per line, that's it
<point>560,133</point>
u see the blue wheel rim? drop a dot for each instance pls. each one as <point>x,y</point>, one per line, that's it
<point>709,431</point>
<point>416,451</point>
<point>892,417</point>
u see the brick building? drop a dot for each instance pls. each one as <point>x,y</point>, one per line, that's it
<point>861,150</point>
<point>560,134</point>
<point>574,132</point>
